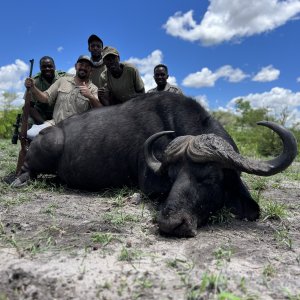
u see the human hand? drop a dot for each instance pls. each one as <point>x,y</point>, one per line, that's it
<point>84,90</point>
<point>29,83</point>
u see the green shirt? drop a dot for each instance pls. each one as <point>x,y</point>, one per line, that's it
<point>127,86</point>
<point>45,110</point>
<point>96,78</point>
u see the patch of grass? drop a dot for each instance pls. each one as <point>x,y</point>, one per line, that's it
<point>50,209</point>
<point>282,236</point>
<point>259,183</point>
<point>129,254</point>
<point>222,254</point>
<point>16,200</point>
<point>118,195</point>
<point>223,216</point>
<point>181,265</point>
<point>102,238</point>
<point>269,271</point>
<point>210,284</point>
<point>228,296</point>
<point>119,217</point>
<point>290,295</point>
<point>271,210</point>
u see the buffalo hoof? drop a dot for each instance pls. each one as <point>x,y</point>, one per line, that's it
<point>22,180</point>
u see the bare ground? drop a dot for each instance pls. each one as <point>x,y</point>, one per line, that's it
<point>57,243</point>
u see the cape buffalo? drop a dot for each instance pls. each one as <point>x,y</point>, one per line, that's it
<point>168,145</point>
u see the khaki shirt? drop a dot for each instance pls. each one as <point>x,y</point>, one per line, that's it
<point>168,88</point>
<point>127,86</point>
<point>96,78</point>
<point>64,93</point>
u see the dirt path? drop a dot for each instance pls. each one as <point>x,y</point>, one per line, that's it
<point>57,243</point>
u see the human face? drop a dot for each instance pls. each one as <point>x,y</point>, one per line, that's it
<point>83,70</point>
<point>95,47</point>
<point>112,63</point>
<point>47,68</point>
<point>160,76</point>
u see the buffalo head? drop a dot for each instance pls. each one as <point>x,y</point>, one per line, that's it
<point>203,173</point>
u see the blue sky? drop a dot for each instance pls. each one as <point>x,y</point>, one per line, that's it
<point>216,51</point>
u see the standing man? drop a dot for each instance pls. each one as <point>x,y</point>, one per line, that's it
<point>123,79</point>
<point>40,112</point>
<point>69,95</point>
<point>161,76</point>
<point>95,47</point>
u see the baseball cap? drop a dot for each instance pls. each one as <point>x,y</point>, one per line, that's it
<point>94,37</point>
<point>109,50</point>
<point>85,58</point>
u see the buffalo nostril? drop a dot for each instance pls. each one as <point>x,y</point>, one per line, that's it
<point>178,226</point>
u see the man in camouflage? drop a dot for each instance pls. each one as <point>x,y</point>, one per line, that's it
<point>41,112</point>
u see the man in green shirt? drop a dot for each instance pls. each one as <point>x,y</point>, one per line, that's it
<point>123,79</point>
<point>41,112</point>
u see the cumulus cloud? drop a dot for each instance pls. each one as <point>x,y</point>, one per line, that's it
<point>267,74</point>
<point>60,49</point>
<point>207,78</point>
<point>276,100</point>
<point>232,20</point>
<point>202,99</point>
<point>298,79</point>
<point>146,66</point>
<point>12,76</point>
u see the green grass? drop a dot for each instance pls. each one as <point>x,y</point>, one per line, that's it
<point>271,210</point>
<point>102,238</point>
<point>129,254</point>
<point>223,216</point>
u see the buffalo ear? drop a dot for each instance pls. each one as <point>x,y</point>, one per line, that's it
<point>238,198</point>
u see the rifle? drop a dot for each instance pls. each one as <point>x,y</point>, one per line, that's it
<point>24,126</point>
<point>15,136</point>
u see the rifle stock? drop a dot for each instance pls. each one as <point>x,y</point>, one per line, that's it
<point>24,126</point>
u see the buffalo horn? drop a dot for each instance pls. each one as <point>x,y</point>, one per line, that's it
<point>153,163</point>
<point>210,147</point>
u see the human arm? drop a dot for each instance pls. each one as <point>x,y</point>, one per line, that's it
<point>139,84</point>
<point>36,93</point>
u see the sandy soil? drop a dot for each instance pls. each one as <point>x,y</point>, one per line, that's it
<point>57,243</point>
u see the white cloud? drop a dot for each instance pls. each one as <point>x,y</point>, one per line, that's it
<point>12,76</point>
<point>207,78</point>
<point>72,71</point>
<point>232,20</point>
<point>60,49</point>
<point>202,99</point>
<point>276,100</point>
<point>146,66</point>
<point>267,74</point>
<point>298,79</point>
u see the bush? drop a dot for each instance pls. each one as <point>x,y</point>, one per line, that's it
<point>7,119</point>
